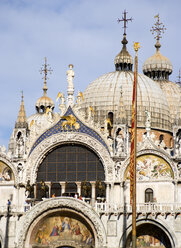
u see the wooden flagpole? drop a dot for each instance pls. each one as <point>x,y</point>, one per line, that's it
<point>133,149</point>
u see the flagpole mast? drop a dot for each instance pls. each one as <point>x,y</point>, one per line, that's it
<point>136,46</point>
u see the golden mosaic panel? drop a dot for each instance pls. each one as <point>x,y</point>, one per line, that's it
<point>151,167</point>
<point>6,173</point>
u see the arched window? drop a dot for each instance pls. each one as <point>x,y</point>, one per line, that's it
<point>71,163</point>
<point>148,195</point>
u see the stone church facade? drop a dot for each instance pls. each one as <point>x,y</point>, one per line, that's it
<point>64,181</point>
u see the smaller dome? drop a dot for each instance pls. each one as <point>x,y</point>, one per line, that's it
<point>157,67</point>
<point>43,103</point>
<point>123,61</point>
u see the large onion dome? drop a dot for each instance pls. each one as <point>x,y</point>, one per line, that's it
<point>104,95</point>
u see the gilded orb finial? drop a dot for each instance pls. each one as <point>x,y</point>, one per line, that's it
<point>44,70</point>
<point>159,29</point>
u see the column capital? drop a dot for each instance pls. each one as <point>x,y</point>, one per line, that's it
<point>93,183</point>
<point>78,183</point>
<point>62,183</point>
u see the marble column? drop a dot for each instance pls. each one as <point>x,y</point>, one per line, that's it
<point>78,188</point>
<point>49,184</point>
<point>93,195</point>
<point>107,191</point>
<point>62,187</point>
<point>122,193</point>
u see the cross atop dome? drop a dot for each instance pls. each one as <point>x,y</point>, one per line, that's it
<point>44,70</point>
<point>125,20</point>
<point>159,29</point>
<point>124,61</point>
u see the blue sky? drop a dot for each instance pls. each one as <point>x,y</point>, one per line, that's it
<point>82,32</point>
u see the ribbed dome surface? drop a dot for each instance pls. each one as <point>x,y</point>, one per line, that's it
<point>104,95</point>
<point>45,101</point>
<point>157,62</point>
<point>172,92</point>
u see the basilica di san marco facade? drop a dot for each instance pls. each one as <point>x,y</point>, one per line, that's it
<point>64,180</point>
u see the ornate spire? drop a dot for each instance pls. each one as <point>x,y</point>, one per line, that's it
<point>159,29</point>
<point>124,61</point>
<point>21,120</point>
<point>44,70</point>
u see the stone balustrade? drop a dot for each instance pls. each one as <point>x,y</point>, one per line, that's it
<point>141,208</point>
<point>111,208</point>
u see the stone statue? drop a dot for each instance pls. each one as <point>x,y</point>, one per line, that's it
<point>119,144</point>
<point>20,171</point>
<point>178,143</point>
<point>86,190</point>
<point>117,170</point>
<point>43,190</point>
<point>20,147</point>
<point>70,77</point>
<point>79,98</point>
<point>62,99</point>
<point>179,169</point>
<point>29,190</point>
<point>100,189</point>
<point>148,122</point>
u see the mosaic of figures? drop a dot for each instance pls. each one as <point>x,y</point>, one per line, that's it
<point>59,228</point>
<point>5,173</point>
<point>151,167</point>
<point>148,241</point>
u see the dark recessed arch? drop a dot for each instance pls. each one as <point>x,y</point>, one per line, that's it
<point>150,235</point>
<point>71,163</point>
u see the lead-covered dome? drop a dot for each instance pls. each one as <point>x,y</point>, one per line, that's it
<point>157,67</point>
<point>104,95</point>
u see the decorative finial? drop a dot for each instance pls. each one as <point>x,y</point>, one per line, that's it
<point>179,78</point>
<point>44,70</point>
<point>136,46</point>
<point>125,20</point>
<point>159,29</point>
<point>22,95</point>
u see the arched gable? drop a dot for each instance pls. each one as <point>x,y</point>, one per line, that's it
<point>151,164</point>
<point>39,153</point>
<point>52,206</point>
<point>70,123</point>
<point>4,159</point>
